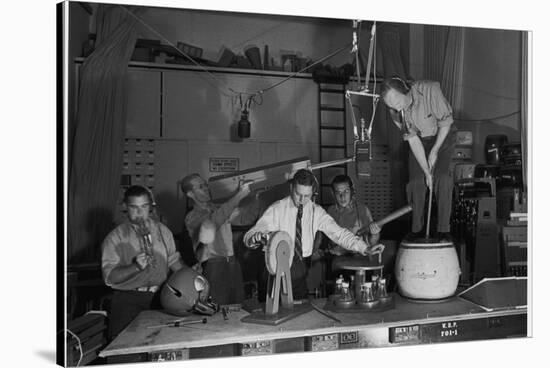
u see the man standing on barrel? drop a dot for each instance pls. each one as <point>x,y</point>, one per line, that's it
<point>425,118</point>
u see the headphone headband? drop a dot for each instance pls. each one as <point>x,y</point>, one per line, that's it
<point>315,184</point>
<point>151,196</point>
<point>140,188</point>
<point>406,85</point>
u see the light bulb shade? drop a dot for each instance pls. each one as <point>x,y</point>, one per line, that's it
<point>243,128</point>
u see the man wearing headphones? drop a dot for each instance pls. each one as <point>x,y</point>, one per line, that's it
<point>425,118</point>
<point>301,218</point>
<point>209,226</point>
<point>136,258</point>
<point>349,213</point>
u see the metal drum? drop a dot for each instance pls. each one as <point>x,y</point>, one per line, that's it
<point>427,270</point>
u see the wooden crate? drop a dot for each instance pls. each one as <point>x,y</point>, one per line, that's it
<point>91,331</point>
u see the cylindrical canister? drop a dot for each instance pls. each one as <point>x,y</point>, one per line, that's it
<point>427,270</point>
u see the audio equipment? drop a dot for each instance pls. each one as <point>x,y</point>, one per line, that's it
<point>363,155</point>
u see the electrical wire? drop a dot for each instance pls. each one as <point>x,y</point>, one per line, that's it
<point>374,100</point>
<point>306,68</point>
<point>79,346</point>
<point>252,95</point>
<point>181,52</point>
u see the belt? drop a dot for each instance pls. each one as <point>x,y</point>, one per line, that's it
<point>221,258</point>
<point>150,289</point>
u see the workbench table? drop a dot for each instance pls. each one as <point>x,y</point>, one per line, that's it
<point>408,323</point>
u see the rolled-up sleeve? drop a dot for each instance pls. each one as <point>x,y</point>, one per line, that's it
<point>193,222</point>
<point>339,235</point>
<point>173,255</point>
<point>109,257</point>
<point>439,105</point>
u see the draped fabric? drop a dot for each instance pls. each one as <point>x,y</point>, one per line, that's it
<point>96,137</point>
<point>393,66</point>
<point>435,45</point>
<point>390,45</point>
<point>524,126</point>
<point>444,60</point>
<point>453,66</point>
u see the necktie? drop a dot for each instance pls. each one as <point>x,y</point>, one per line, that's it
<point>403,121</point>
<point>298,238</point>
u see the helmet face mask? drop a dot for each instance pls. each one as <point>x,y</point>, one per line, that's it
<point>185,292</point>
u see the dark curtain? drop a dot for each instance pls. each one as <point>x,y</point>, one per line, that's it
<point>390,42</point>
<point>453,67</point>
<point>524,107</point>
<point>97,136</point>
<point>435,45</point>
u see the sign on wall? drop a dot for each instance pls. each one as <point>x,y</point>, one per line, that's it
<point>224,164</point>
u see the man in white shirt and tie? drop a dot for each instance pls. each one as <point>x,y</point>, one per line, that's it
<point>301,218</point>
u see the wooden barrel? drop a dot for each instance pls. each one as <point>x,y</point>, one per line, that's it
<point>426,269</point>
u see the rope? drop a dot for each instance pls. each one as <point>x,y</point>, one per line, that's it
<point>79,346</point>
<point>253,95</point>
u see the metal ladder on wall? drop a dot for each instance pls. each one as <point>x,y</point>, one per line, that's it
<point>332,134</point>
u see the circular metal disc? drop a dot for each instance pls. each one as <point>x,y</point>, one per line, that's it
<point>274,242</point>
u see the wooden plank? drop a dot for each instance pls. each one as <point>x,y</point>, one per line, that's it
<point>138,338</point>
<point>85,335</point>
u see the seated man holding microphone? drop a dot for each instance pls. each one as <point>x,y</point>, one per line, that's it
<point>301,218</point>
<point>137,257</point>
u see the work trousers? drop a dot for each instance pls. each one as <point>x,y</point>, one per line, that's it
<point>225,277</point>
<point>298,274</point>
<point>126,305</point>
<point>442,184</point>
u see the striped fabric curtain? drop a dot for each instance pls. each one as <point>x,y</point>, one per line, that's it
<point>444,60</point>
<point>453,66</point>
<point>435,41</point>
<point>97,135</point>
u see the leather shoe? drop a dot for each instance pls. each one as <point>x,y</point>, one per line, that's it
<point>413,236</point>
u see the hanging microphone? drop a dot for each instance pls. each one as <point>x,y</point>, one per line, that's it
<point>243,128</point>
<point>363,159</point>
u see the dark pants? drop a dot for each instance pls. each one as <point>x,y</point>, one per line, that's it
<point>442,184</point>
<point>298,274</point>
<point>126,305</point>
<point>225,277</point>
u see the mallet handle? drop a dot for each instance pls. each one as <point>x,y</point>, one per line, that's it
<point>395,214</point>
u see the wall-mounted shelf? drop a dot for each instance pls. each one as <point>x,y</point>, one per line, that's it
<point>211,69</point>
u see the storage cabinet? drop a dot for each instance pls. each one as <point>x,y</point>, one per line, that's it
<point>144,101</point>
